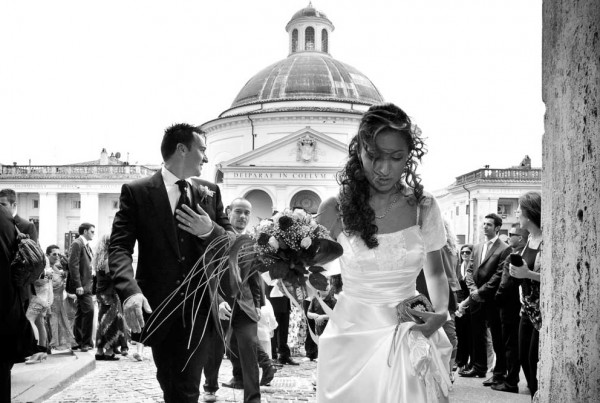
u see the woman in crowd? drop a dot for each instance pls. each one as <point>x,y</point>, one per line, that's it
<point>387,226</point>
<point>110,318</point>
<point>62,333</point>
<point>463,317</point>
<point>529,213</point>
<point>39,305</point>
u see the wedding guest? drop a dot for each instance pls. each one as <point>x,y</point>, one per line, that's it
<point>509,303</point>
<point>61,330</point>
<point>16,334</point>
<point>243,313</point>
<point>8,199</point>
<point>483,278</point>
<point>111,328</point>
<point>463,316</point>
<point>529,213</point>
<point>387,226</point>
<point>39,306</point>
<point>80,269</point>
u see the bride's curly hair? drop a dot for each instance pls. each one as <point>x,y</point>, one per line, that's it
<point>356,212</point>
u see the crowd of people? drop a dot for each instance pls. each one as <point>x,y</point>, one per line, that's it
<point>484,298</point>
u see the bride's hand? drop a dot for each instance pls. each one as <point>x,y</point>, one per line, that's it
<point>433,321</point>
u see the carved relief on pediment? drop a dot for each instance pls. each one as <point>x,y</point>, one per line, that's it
<point>306,148</point>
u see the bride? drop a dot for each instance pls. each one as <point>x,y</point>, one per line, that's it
<point>390,229</point>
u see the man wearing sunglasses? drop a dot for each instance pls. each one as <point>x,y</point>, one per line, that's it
<point>509,303</point>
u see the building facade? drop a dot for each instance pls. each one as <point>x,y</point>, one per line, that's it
<point>286,134</point>
<point>474,195</point>
<point>58,198</point>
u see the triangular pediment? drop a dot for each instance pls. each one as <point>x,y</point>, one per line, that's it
<point>303,148</point>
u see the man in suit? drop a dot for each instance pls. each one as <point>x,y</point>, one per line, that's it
<point>509,304</point>
<point>8,199</point>
<point>246,354</point>
<point>174,217</point>
<point>483,278</point>
<point>80,270</point>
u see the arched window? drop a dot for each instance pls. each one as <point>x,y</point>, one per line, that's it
<point>294,40</point>
<point>309,39</point>
<point>324,41</point>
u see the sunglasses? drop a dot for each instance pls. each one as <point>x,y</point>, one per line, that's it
<point>465,252</point>
<point>513,234</point>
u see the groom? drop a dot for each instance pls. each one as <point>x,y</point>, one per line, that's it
<point>173,216</point>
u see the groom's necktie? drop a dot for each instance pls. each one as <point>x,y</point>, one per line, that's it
<point>183,198</point>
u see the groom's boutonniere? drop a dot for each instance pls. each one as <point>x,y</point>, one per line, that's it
<point>204,193</point>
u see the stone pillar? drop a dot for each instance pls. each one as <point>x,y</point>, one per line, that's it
<point>281,198</point>
<point>89,208</point>
<point>569,368</point>
<point>48,219</point>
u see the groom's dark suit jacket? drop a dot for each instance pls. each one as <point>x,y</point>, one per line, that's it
<point>486,276</point>
<point>145,216</point>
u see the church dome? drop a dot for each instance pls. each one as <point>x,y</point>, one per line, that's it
<point>308,76</point>
<point>309,73</point>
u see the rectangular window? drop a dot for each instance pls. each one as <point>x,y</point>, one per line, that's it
<point>36,203</point>
<point>467,209</point>
<point>457,211</point>
<point>75,204</point>
<point>460,239</point>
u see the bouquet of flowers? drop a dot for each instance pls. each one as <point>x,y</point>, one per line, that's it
<point>290,246</point>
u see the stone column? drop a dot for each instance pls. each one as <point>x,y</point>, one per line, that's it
<point>89,207</point>
<point>569,367</point>
<point>48,219</point>
<point>281,198</point>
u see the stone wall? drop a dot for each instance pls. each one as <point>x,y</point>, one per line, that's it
<point>569,368</point>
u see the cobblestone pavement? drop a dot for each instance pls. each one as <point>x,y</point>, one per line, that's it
<point>131,381</point>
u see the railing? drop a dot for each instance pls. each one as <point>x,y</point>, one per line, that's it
<point>74,171</point>
<point>511,174</point>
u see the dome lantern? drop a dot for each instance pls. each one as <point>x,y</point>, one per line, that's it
<point>309,31</point>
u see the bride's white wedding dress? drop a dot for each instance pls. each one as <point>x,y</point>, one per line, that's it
<point>361,357</point>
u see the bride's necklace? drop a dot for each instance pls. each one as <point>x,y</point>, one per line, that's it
<point>379,217</point>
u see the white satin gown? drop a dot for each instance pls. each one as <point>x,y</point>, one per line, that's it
<point>361,358</point>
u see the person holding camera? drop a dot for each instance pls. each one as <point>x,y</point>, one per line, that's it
<point>528,270</point>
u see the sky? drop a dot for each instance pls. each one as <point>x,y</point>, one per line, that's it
<point>79,76</point>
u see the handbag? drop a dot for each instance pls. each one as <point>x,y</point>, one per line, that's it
<point>416,303</point>
<point>29,261</point>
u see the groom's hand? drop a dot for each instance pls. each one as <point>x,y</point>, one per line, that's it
<point>132,310</point>
<point>198,224</point>
<point>432,321</point>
